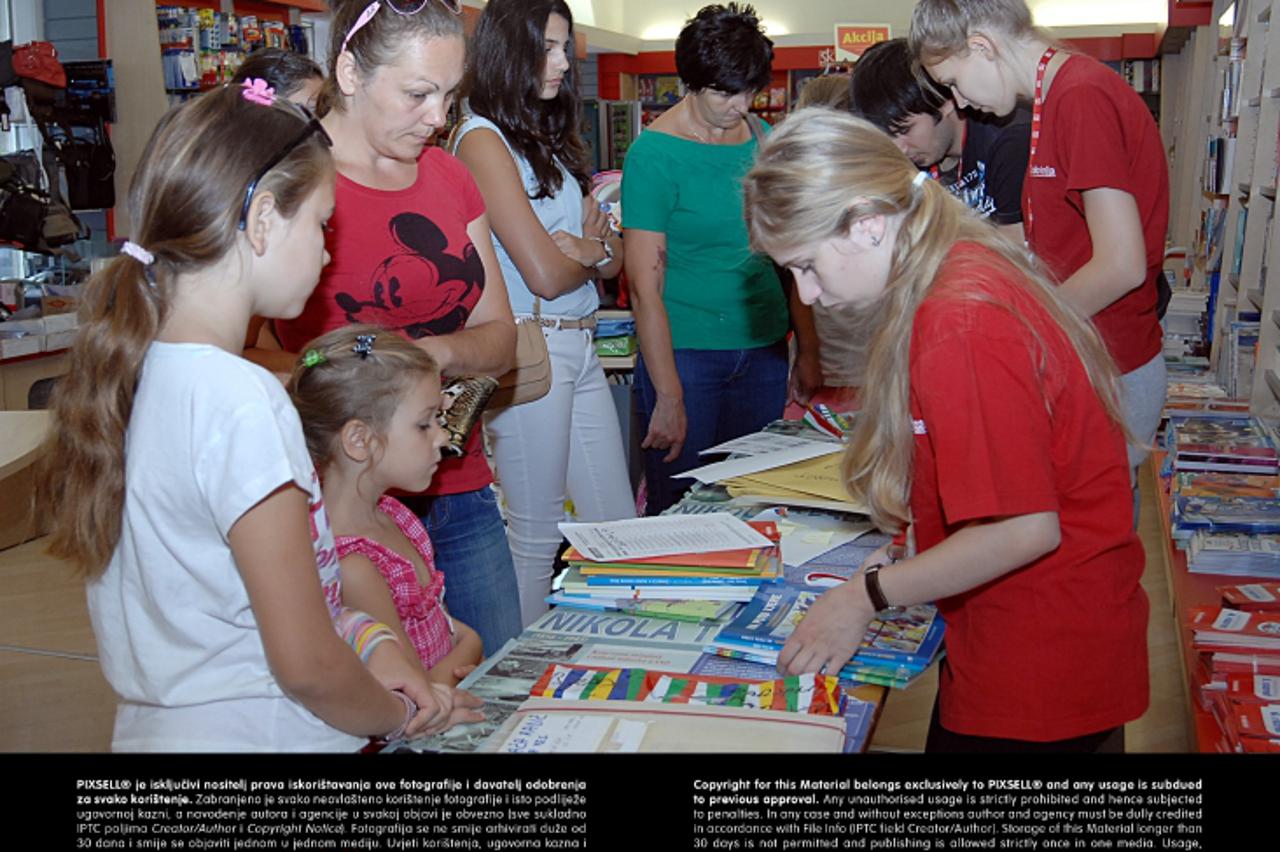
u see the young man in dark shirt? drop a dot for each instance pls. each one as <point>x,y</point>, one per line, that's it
<point>983,162</point>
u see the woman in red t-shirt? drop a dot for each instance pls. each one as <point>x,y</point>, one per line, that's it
<point>990,423</point>
<point>1096,198</point>
<point>411,251</point>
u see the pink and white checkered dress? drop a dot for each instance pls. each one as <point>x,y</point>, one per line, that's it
<point>420,607</point>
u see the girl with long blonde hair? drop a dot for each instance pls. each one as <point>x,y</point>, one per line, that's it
<point>990,424</point>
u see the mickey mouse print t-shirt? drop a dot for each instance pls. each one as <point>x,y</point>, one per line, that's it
<point>401,259</point>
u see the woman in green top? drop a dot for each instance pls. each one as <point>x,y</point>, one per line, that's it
<point>712,316</point>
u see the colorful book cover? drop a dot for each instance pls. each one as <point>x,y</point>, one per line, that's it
<point>815,694</point>
<point>770,617</point>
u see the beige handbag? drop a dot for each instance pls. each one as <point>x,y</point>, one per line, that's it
<point>530,379</point>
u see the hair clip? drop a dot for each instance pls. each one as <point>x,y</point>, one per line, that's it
<point>256,91</point>
<point>364,345</point>
<point>312,357</point>
<point>919,179</point>
<point>138,253</point>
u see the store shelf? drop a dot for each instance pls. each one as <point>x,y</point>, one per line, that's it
<point>1265,15</point>
<point>1254,103</point>
<point>1245,189</point>
<point>1219,196</point>
<point>1275,317</point>
<point>1267,192</point>
<point>1186,590</point>
<point>1273,382</point>
<point>1255,296</point>
<point>1233,278</point>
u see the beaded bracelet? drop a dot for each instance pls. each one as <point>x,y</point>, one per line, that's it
<point>362,633</point>
<point>410,710</point>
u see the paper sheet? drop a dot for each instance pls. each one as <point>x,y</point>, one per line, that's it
<point>759,443</point>
<point>544,733</point>
<point>807,535</point>
<point>662,536</point>
<point>764,461</point>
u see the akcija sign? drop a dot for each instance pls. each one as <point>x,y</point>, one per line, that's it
<point>853,39</point>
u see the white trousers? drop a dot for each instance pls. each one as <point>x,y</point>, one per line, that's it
<point>567,444</point>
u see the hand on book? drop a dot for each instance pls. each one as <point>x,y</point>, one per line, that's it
<point>830,632</point>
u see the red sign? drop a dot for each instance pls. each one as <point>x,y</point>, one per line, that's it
<point>853,39</point>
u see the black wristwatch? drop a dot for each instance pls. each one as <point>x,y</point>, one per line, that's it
<point>871,574</point>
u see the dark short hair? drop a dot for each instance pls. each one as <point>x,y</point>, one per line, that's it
<point>723,47</point>
<point>886,90</point>
<point>284,70</point>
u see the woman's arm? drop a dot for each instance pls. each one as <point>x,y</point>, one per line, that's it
<point>548,271</point>
<point>1119,262</point>
<point>488,343</point>
<point>979,553</point>
<point>806,372</point>
<point>271,544</point>
<point>646,264</point>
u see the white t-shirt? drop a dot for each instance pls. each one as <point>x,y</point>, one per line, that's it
<point>210,436</point>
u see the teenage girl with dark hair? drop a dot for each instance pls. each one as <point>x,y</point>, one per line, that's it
<point>552,239</point>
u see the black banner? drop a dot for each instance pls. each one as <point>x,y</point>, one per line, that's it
<point>714,802</point>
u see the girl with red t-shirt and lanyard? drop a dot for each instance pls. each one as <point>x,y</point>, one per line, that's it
<point>990,423</point>
<point>412,253</point>
<point>1096,197</point>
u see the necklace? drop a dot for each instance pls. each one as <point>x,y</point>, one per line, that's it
<point>689,121</point>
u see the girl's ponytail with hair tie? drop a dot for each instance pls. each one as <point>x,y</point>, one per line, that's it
<point>919,179</point>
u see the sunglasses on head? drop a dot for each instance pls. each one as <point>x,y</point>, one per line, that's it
<point>313,126</point>
<point>400,7</point>
<point>410,7</point>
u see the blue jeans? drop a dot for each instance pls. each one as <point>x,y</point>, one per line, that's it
<point>471,549</point>
<point>727,393</point>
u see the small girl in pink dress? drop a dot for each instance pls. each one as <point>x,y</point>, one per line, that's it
<point>370,407</point>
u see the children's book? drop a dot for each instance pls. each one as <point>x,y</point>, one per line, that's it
<point>1217,627</point>
<point>814,694</point>
<point>698,612</point>
<point>1252,596</point>
<point>913,637</point>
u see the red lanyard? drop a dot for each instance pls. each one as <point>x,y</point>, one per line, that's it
<point>1036,107</point>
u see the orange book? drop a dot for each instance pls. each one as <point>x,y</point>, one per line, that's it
<point>751,559</point>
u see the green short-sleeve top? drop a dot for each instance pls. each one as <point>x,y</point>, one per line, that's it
<point>717,292</point>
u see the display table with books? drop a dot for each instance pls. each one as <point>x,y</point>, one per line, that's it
<point>676,650</point>
<point>1190,593</point>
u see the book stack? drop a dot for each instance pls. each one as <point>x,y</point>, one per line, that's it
<point>719,576</point>
<point>1239,676</point>
<point>1222,445</point>
<point>893,653</point>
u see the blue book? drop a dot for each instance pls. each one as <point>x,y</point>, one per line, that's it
<point>768,619</point>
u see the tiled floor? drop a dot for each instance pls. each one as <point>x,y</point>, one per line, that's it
<point>53,696</point>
